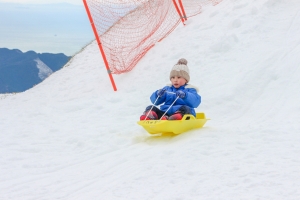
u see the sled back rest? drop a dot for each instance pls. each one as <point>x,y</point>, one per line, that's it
<point>200,116</point>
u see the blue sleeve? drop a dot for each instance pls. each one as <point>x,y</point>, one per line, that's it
<point>192,98</point>
<point>161,99</point>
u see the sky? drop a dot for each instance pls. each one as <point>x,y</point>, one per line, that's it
<point>72,137</point>
<point>75,2</point>
<point>59,28</point>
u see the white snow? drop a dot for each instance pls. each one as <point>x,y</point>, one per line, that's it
<point>44,70</point>
<point>73,137</point>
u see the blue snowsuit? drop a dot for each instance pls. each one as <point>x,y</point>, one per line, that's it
<point>192,99</point>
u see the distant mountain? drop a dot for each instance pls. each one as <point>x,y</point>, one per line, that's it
<point>20,71</point>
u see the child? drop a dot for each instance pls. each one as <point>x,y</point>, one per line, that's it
<point>188,98</point>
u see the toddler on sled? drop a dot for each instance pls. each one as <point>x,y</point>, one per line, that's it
<point>178,98</point>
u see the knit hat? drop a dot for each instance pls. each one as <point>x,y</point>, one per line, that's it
<point>181,69</point>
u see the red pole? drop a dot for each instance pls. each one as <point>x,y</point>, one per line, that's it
<point>175,4</point>
<point>99,44</point>
<point>182,8</point>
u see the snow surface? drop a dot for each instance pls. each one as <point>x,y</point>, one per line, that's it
<point>73,137</point>
<point>44,70</point>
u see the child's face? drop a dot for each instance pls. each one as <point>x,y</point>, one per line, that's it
<point>178,81</point>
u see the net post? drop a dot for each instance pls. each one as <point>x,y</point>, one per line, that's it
<point>100,45</point>
<point>178,11</point>
<point>182,8</point>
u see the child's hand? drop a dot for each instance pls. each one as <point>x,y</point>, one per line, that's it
<point>180,94</point>
<point>161,92</point>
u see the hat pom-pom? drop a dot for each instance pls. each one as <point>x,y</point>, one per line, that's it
<point>182,61</point>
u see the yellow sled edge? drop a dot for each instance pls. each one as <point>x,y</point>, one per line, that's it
<point>188,122</point>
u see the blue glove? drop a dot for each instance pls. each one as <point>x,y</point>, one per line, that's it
<point>161,92</point>
<point>180,94</point>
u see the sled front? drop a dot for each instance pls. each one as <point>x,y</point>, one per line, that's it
<point>188,122</point>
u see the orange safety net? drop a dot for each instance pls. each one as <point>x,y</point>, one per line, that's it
<point>129,28</point>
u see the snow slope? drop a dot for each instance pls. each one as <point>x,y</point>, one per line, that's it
<point>73,137</point>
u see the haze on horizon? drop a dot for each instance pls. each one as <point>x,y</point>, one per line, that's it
<point>43,28</point>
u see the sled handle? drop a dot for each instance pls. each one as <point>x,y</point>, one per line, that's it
<point>166,110</point>
<point>151,108</point>
<point>169,108</point>
<point>171,92</point>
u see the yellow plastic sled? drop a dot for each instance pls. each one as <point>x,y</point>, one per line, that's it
<point>188,122</point>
